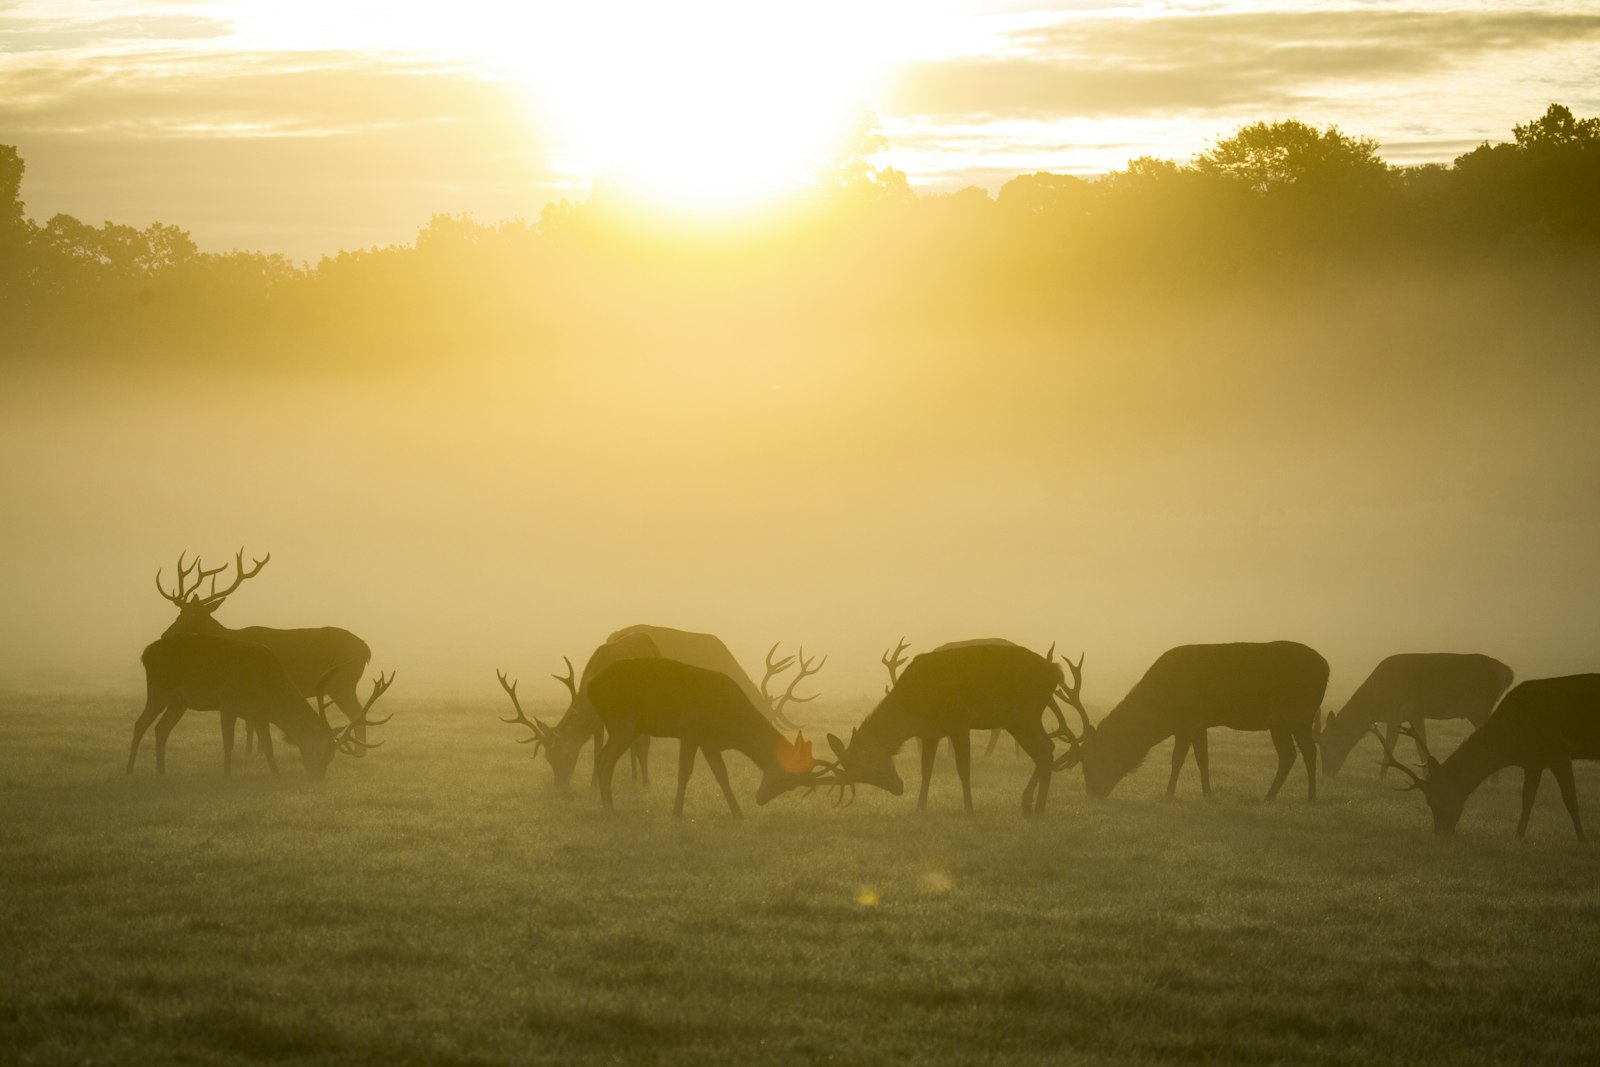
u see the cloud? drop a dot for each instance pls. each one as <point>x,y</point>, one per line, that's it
<point>1190,63</point>
<point>21,34</point>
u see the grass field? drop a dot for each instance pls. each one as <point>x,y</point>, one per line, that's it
<point>438,902</point>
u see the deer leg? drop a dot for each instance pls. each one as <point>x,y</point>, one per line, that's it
<point>719,771</point>
<point>1419,726</point>
<point>168,720</point>
<point>227,741</point>
<point>640,754</point>
<point>152,708</point>
<point>1038,747</point>
<point>686,751</point>
<point>599,739</point>
<point>1562,772</point>
<point>994,743</point>
<point>264,732</point>
<point>1202,760</point>
<point>961,747</point>
<point>1390,732</point>
<point>1180,752</point>
<point>1530,789</point>
<point>930,749</point>
<point>1284,743</point>
<point>606,764</point>
<point>1305,737</point>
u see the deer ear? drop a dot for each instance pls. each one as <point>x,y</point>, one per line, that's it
<point>837,746</point>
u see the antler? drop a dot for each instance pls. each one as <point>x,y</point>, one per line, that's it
<point>892,662</point>
<point>214,596</point>
<point>1070,693</point>
<point>1418,781</point>
<point>346,738</point>
<point>1422,746</point>
<point>181,594</point>
<point>806,670</point>
<point>774,667</point>
<point>570,680</point>
<point>539,729</point>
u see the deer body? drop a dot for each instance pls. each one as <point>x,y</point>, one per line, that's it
<point>948,693</point>
<point>308,654</point>
<point>242,681</point>
<point>580,723</point>
<point>1541,725</point>
<point>707,711</point>
<point>1275,686</point>
<point>1410,688</point>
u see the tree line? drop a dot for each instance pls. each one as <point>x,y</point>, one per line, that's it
<point>1273,198</point>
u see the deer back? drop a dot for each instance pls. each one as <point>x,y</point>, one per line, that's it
<point>309,653</point>
<point>666,698</point>
<point>974,685</point>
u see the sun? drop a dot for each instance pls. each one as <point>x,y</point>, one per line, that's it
<point>703,106</point>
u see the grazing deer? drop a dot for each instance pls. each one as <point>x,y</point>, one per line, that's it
<point>1541,725</point>
<point>950,692</point>
<point>308,654</point>
<point>579,724</point>
<point>242,681</point>
<point>708,712</point>
<point>1275,686</point>
<point>1413,687</point>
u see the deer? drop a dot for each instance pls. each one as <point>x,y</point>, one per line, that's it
<point>243,681</point>
<point>708,712</point>
<point>308,654</point>
<point>1411,688</point>
<point>579,724</point>
<point>1540,725</point>
<point>948,693</point>
<point>1275,686</point>
<point>893,659</point>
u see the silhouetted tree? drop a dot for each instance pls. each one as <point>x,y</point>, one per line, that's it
<point>1268,157</point>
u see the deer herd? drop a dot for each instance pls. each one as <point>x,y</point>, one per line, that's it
<point>645,682</point>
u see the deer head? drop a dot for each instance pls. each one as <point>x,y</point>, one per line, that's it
<point>194,608</point>
<point>793,767</point>
<point>854,765</point>
<point>1445,801</point>
<point>319,749</point>
<point>559,752</point>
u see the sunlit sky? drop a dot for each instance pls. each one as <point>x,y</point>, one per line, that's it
<point>305,127</point>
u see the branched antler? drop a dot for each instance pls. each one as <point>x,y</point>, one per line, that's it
<point>1418,781</point>
<point>778,666</point>
<point>892,662</point>
<point>540,730</point>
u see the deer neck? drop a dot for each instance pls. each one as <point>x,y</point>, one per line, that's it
<point>888,726</point>
<point>1480,755</point>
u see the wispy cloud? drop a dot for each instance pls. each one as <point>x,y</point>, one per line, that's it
<point>1123,66</point>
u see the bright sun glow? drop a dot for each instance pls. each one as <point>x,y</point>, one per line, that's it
<point>701,105</point>
<point>705,106</point>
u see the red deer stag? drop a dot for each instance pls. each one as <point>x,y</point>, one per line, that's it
<point>708,712</point>
<point>242,681</point>
<point>308,654</point>
<point>949,693</point>
<point>1276,686</point>
<point>579,724</point>
<point>1541,725</point>
<point>893,659</point>
<point>1413,687</point>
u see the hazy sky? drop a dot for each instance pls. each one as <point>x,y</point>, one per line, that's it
<point>307,126</point>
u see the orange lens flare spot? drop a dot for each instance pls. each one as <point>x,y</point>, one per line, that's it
<point>867,896</point>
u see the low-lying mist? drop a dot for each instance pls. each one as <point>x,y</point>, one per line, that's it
<point>1366,461</point>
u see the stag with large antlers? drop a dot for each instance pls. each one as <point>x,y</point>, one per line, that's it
<point>308,654</point>
<point>1541,725</point>
<point>1411,688</point>
<point>243,681</point>
<point>1275,686</point>
<point>708,712</point>
<point>949,693</point>
<point>579,724</point>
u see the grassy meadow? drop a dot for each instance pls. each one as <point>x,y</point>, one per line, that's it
<point>439,902</point>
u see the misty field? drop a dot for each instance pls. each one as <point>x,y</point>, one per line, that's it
<point>439,902</point>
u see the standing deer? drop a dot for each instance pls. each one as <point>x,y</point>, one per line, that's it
<point>893,659</point>
<point>708,712</point>
<point>242,681</point>
<point>949,693</point>
<point>1541,725</point>
<point>1276,686</point>
<point>579,724</point>
<point>1413,687</point>
<point>308,654</point>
